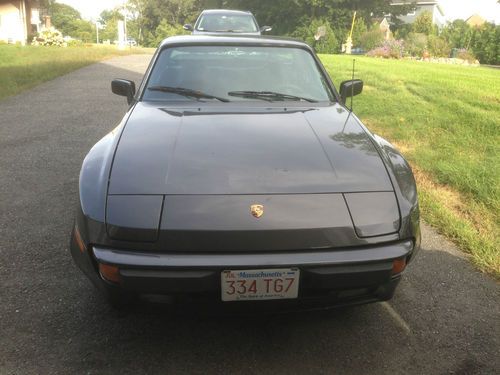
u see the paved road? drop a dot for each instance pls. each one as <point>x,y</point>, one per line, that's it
<point>444,319</point>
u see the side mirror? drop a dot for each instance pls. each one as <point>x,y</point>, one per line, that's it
<point>350,88</point>
<point>188,27</point>
<point>124,87</point>
<point>263,29</point>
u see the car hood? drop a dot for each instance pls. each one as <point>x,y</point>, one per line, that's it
<point>227,150</point>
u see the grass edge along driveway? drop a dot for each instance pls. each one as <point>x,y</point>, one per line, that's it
<point>446,121</point>
<point>23,67</point>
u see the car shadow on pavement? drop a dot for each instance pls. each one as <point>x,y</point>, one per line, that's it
<point>423,328</point>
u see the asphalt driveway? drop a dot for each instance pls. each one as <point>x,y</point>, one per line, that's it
<point>444,319</point>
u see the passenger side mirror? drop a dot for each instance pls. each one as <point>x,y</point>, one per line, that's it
<point>263,29</point>
<point>124,87</point>
<point>188,27</point>
<point>350,88</point>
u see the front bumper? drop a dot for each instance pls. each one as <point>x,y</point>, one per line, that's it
<point>334,277</point>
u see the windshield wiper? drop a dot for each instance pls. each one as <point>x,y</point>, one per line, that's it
<point>268,95</point>
<point>187,92</point>
<point>229,31</point>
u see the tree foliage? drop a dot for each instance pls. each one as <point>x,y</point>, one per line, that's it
<point>416,44</point>
<point>371,39</point>
<point>165,29</point>
<point>69,22</point>
<point>486,43</point>
<point>438,47</point>
<point>458,34</point>
<point>326,44</point>
<point>483,41</point>
<point>287,17</point>
<point>150,21</point>
<point>423,24</point>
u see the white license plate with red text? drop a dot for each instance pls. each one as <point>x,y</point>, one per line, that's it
<point>263,284</point>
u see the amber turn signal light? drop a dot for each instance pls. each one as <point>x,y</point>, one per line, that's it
<point>79,241</point>
<point>109,273</point>
<point>398,266</point>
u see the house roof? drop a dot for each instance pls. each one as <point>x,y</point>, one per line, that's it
<point>475,20</point>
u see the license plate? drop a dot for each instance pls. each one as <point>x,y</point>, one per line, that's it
<point>263,284</point>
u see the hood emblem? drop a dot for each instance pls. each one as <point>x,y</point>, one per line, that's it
<point>257,210</point>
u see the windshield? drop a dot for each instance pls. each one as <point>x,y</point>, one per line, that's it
<point>236,73</point>
<point>237,23</point>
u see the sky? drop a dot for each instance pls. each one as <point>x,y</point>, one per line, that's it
<point>488,9</point>
<point>453,9</point>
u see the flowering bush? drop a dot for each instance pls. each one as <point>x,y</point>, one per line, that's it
<point>391,49</point>
<point>49,37</point>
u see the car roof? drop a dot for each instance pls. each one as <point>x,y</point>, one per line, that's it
<point>225,11</point>
<point>233,40</point>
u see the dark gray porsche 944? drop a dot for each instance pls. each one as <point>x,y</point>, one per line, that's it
<point>238,174</point>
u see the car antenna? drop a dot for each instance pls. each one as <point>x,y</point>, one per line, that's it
<point>352,82</point>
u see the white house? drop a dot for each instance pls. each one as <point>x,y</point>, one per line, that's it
<point>438,17</point>
<point>18,20</point>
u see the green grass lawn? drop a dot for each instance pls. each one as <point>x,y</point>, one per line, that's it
<point>446,121</point>
<point>22,67</point>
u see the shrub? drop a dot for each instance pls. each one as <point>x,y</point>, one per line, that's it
<point>438,47</point>
<point>371,39</point>
<point>486,43</point>
<point>466,55</point>
<point>74,43</point>
<point>49,37</point>
<point>326,44</point>
<point>391,49</point>
<point>416,44</point>
<point>423,24</point>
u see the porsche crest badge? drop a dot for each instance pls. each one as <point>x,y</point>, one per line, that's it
<point>257,210</point>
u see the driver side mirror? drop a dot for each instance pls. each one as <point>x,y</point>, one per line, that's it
<point>124,87</point>
<point>350,88</point>
<point>188,27</point>
<point>263,29</point>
